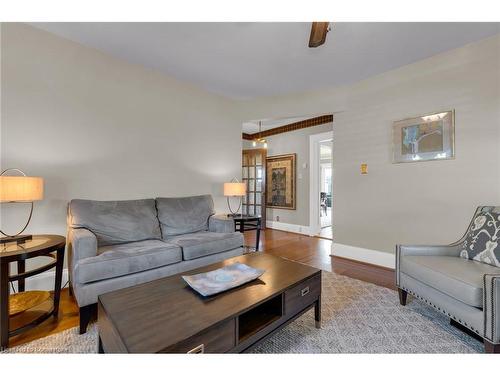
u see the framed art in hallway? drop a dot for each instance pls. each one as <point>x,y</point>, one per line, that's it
<point>424,138</point>
<point>281,181</point>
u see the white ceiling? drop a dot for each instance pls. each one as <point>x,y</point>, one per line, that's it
<point>244,60</point>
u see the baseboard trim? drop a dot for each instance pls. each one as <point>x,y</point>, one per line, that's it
<point>360,254</point>
<point>44,281</point>
<point>286,227</point>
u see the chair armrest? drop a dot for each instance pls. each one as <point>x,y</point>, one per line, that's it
<point>452,250</point>
<point>491,308</point>
<point>82,243</point>
<point>221,224</point>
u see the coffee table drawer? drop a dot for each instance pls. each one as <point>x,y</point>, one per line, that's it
<point>218,339</point>
<point>302,295</point>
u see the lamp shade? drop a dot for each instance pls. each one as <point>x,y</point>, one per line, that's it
<point>234,189</point>
<point>20,189</point>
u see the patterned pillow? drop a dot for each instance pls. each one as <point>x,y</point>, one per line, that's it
<point>482,242</point>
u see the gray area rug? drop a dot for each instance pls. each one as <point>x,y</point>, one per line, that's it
<point>358,317</point>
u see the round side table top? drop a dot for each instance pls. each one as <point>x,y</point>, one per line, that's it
<point>40,242</point>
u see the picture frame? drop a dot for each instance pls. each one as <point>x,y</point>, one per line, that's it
<point>424,138</point>
<point>281,181</point>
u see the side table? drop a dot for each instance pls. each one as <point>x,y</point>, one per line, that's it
<point>244,223</point>
<point>44,245</point>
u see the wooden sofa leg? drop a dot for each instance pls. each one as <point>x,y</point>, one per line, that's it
<point>402,296</point>
<point>87,313</point>
<point>491,348</point>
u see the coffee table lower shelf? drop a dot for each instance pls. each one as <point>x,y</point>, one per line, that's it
<point>248,342</point>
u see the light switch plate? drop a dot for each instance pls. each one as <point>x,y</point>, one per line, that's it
<point>364,168</point>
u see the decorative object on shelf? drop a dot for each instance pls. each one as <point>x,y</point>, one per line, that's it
<point>234,189</point>
<point>259,139</point>
<point>222,279</point>
<point>281,181</point>
<point>428,137</point>
<point>19,189</point>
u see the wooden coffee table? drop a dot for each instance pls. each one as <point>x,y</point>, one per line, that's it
<point>167,316</point>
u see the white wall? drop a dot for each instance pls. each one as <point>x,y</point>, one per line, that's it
<point>428,202</point>
<point>96,127</point>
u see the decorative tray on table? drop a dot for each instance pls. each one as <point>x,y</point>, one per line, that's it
<point>222,279</point>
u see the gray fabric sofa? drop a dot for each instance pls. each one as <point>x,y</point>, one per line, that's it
<point>466,289</point>
<point>118,244</point>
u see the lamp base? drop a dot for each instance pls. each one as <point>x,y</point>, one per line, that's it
<point>17,239</point>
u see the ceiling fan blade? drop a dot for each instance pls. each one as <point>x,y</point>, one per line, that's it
<point>318,34</point>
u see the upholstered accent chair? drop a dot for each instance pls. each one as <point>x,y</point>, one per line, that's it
<point>118,244</point>
<point>461,280</point>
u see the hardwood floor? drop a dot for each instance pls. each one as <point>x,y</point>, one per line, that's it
<point>68,318</point>
<point>313,251</point>
<point>316,251</point>
<point>326,232</point>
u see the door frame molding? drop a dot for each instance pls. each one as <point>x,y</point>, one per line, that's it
<point>314,177</point>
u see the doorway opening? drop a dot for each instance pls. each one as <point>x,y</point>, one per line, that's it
<point>325,185</point>
<point>321,184</point>
<point>276,170</point>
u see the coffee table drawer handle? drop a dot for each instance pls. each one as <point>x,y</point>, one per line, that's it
<point>304,291</point>
<point>200,349</point>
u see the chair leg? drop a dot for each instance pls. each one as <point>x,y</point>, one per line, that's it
<point>491,348</point>
<point>402,296</point>
<point>86,314</point>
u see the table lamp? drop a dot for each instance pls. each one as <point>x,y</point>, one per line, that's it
<point>19,189</point>
<point>234,189</point>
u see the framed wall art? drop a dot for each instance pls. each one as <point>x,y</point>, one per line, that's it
<point>281,181</point>
<point>428,137</point>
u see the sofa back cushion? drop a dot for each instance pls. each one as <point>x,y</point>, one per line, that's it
<point>115,222</point>
<point>184,215</point>
<point>482,242</point>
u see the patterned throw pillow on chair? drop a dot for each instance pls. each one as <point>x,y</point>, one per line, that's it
<point>482,242</point>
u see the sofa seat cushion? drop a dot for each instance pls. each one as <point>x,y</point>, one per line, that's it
<point>200,244</point>
<point>459,278</point>
<point>124,259</point>
<point>115,222</point>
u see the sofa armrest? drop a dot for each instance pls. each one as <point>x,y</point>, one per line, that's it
<point>491,308</point>
<point>82,243</point>
<point>221,224</point>
<point>452,250</point>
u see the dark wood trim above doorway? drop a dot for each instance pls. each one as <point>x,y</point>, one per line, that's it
<point>320,120</point>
